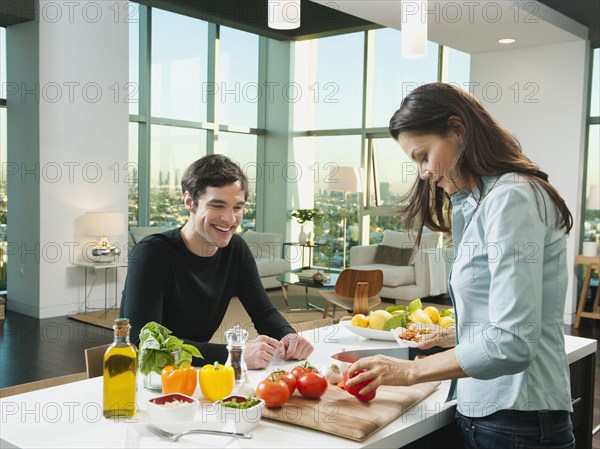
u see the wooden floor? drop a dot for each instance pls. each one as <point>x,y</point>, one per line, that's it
<point>32,349</point>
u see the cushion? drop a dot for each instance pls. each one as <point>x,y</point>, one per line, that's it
<point>272,267</point>
<point>263,245</point>
<point>391,255</point>
<point>397,239</point>
<point>393,276</point>
<point>139,232</point>
<point>404,240</point>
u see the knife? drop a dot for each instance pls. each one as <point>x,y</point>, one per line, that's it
<point>353,356</point>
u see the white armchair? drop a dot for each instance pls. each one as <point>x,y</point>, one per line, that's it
<point>266,249</point>
<point>424,274</point>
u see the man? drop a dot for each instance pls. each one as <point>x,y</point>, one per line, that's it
<point>184,278</point>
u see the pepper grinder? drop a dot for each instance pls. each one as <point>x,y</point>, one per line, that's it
<point>236,342</point>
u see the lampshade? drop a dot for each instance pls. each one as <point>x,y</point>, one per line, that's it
<point>105,223</point>
<point>284,14</point>
<point>593,200</point>
<point>414,29</point>
<point>345,179</point>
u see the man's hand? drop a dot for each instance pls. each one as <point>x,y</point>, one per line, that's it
<point>260,352</point>
<point>293,346</point>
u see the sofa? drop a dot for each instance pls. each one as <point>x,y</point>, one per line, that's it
<point>266,249</point>
<point>408,272</point>
<point>137,233</point>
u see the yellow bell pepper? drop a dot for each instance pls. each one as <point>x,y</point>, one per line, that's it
<point>178,380</point>
<point>216,381</point>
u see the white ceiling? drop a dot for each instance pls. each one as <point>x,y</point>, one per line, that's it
<point>475,26</point>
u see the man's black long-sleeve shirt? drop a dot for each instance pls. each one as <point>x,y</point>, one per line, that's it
<point>190,294</point>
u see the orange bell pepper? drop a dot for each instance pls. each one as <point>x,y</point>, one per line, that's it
<point>178,380</point>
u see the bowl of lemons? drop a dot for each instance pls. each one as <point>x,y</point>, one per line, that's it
<point>379,323</point>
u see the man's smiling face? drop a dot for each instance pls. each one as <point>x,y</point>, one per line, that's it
<point>217,214</point>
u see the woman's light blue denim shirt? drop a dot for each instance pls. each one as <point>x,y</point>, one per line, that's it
<point>508,285</point>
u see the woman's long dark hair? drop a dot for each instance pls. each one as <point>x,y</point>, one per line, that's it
<point>488,150</point>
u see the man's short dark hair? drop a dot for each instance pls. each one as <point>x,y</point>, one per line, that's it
<point>214,170</point>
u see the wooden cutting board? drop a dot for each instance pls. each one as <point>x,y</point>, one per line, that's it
<point>339,413</point>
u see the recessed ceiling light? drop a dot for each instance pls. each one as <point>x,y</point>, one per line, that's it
<point>507,41</point>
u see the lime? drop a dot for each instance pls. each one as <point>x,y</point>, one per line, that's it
<point>414,305</point>
<point>448,312</point>
<point>394,322</point>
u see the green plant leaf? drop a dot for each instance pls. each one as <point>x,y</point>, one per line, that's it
<point>157,345</point>
<point>414,305</point>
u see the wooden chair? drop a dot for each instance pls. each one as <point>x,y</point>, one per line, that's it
<point>355,290</point>
<point>39,384</point>
<point>94,360</point>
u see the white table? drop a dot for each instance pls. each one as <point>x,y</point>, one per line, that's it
<point>100,266</point>
<point>71,416</point>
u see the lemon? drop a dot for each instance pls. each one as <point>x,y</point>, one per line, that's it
<point>446,321</point>
<point>360,320</point>
<point>433,313</point>
<point>419,316</point>
<point>377,319</point>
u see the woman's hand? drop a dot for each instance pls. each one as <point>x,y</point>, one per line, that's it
<point>382,370</point>
<point>445,338</point>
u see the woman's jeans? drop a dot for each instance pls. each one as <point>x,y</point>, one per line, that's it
<point>508,429</point>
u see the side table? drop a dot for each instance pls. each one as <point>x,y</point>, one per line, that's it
<point>292,278</point>
<point>95,266</point>
<point>590,263</point>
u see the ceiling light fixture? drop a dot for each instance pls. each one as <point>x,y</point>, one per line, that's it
<point>284,14</point>
<point>414,29</point>
<point>507,41</point>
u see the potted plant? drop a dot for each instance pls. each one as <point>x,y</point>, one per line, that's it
<point>302,216</point>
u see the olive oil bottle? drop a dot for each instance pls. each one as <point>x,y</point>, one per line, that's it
<point>120,370</point>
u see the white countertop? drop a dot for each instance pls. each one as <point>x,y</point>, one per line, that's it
<point>71,415</point>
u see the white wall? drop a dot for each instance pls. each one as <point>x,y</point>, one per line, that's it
<point>83,140</point>
<point>539,94</point>
<point>22,155</point>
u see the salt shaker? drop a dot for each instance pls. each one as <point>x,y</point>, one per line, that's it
<point>236,342</point>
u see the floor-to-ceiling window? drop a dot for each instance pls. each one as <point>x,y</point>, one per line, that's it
<point>3,197</point>
<point>197,95</point>
<point>591,231</point>
<point>351,87</point>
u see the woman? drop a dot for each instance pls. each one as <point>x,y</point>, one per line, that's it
<point>509,277</point>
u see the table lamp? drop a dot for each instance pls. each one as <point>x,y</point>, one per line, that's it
<point>345,179</point>
<point>104,224</point>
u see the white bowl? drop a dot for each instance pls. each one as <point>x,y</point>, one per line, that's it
<point>368,332</point>
<point>243,419</point>
<point>185,410</point>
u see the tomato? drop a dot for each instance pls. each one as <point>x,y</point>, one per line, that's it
<point>312,385</point>
<point>354,390</point>
<point>306,367</point>
<point>273,391</point>
<point>287,377</point>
